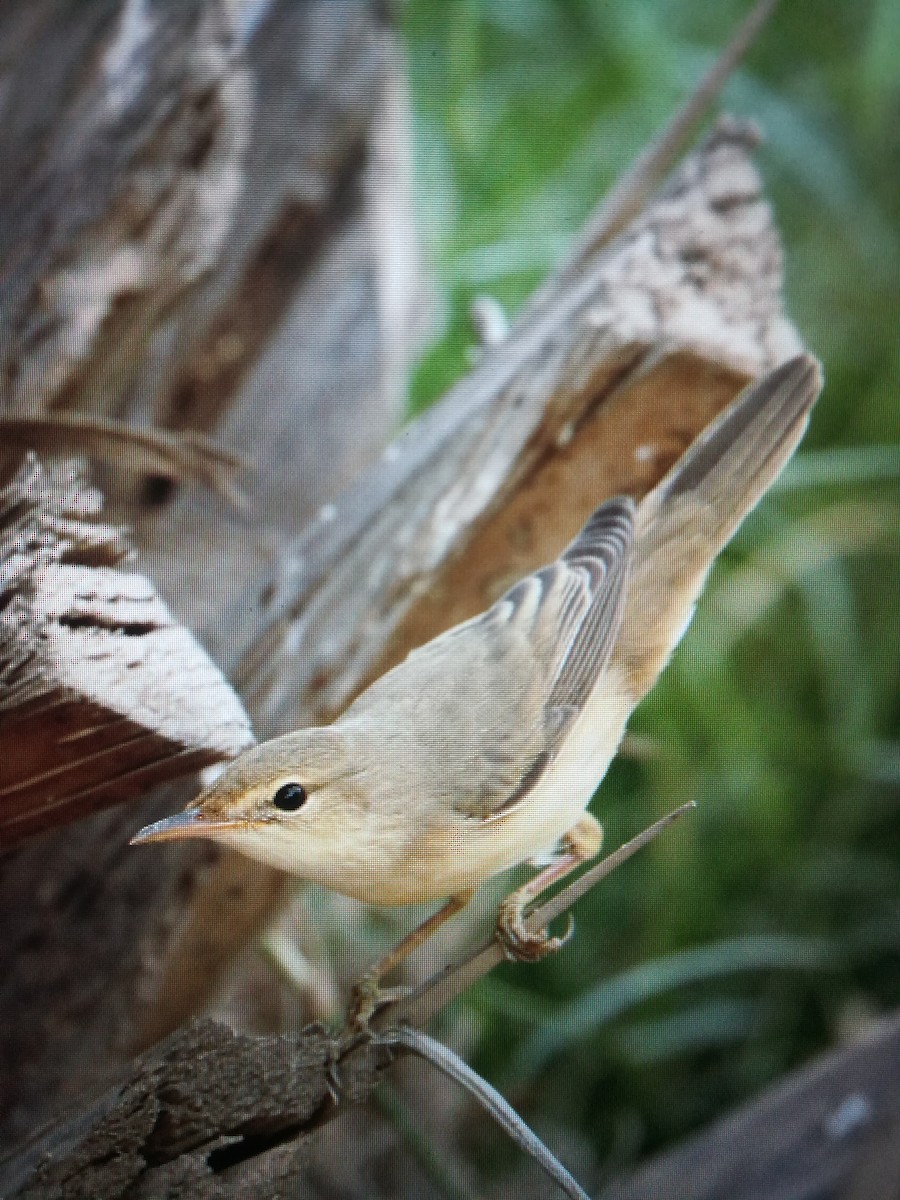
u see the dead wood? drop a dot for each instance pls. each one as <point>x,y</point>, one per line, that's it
<point>828,1132</point>
<point>102,693</point>
<point>599,391</point>
<point>183,1121</point>
<point>195,203</point>
<point>210,1113</point>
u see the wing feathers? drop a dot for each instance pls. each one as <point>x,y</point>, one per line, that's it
<point>569,614</point>
<point>508,684</point>
<point>599,557</point>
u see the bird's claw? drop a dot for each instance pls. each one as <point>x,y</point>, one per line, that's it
<point>367,998</point>
<point>364,1001</point>
<point>520,944</point>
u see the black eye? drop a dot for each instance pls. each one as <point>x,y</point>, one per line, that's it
<point>290,797</point>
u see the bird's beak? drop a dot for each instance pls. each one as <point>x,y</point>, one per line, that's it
<point>187,824</point>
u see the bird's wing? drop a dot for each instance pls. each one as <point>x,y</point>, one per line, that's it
<point>481,710</point>
<point>571,610</point>
<point>547,642</point>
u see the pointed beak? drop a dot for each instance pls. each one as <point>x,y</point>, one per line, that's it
<point>187,824</point>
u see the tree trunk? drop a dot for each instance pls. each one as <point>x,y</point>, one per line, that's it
<point>194,239</point>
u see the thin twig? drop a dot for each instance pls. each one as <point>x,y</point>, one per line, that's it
<point>564,899</point>
<point>420,1004</point>
<point>630,192</point>
<point>448,983</point>
<point>451,1065</point>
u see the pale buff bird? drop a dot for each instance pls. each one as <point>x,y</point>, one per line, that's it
<point>485,746</point>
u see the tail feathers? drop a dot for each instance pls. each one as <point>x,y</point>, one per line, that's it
<point>688,518</point>
<point>734,461</point>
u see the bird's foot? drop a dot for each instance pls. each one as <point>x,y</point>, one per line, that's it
<point>519,943</point>
<point>367,998</point>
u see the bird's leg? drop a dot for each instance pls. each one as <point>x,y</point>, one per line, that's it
<point>581,843</point>
<point>367,994</point>
<point>420,934</point>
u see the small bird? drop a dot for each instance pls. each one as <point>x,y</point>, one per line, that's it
<point>485,746</point>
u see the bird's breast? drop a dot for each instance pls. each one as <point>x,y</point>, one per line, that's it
<point>454,852</point>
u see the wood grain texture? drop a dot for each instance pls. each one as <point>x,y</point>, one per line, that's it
<point>595,391</point>
<point>102,692</point>
<point>188,242</point>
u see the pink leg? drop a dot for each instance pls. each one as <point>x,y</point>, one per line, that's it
<point>581,843</point>
<point>367,994</point>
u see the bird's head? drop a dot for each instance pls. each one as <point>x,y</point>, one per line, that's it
<point>285,802</point>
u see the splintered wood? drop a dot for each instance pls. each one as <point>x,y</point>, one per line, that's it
<point>604,381</point>
<point>102,692</point>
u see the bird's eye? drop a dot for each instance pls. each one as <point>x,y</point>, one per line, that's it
<point>290,797</point>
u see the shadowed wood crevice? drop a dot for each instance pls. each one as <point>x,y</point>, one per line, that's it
<point>187,456</point>
<point>102,693</point>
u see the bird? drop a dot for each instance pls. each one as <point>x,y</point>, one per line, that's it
<point>485,746</point>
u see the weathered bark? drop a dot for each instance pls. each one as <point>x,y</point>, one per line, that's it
<point>170,1128</point>
<point>210,1113</point>
<point>192,240</point>
<point>102,693</point>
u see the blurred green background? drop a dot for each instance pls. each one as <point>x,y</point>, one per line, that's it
<point>767,926</point>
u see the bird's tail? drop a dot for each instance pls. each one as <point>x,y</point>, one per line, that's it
<point>692,513</point>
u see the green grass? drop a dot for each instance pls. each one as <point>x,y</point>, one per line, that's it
<point>766,927</point>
